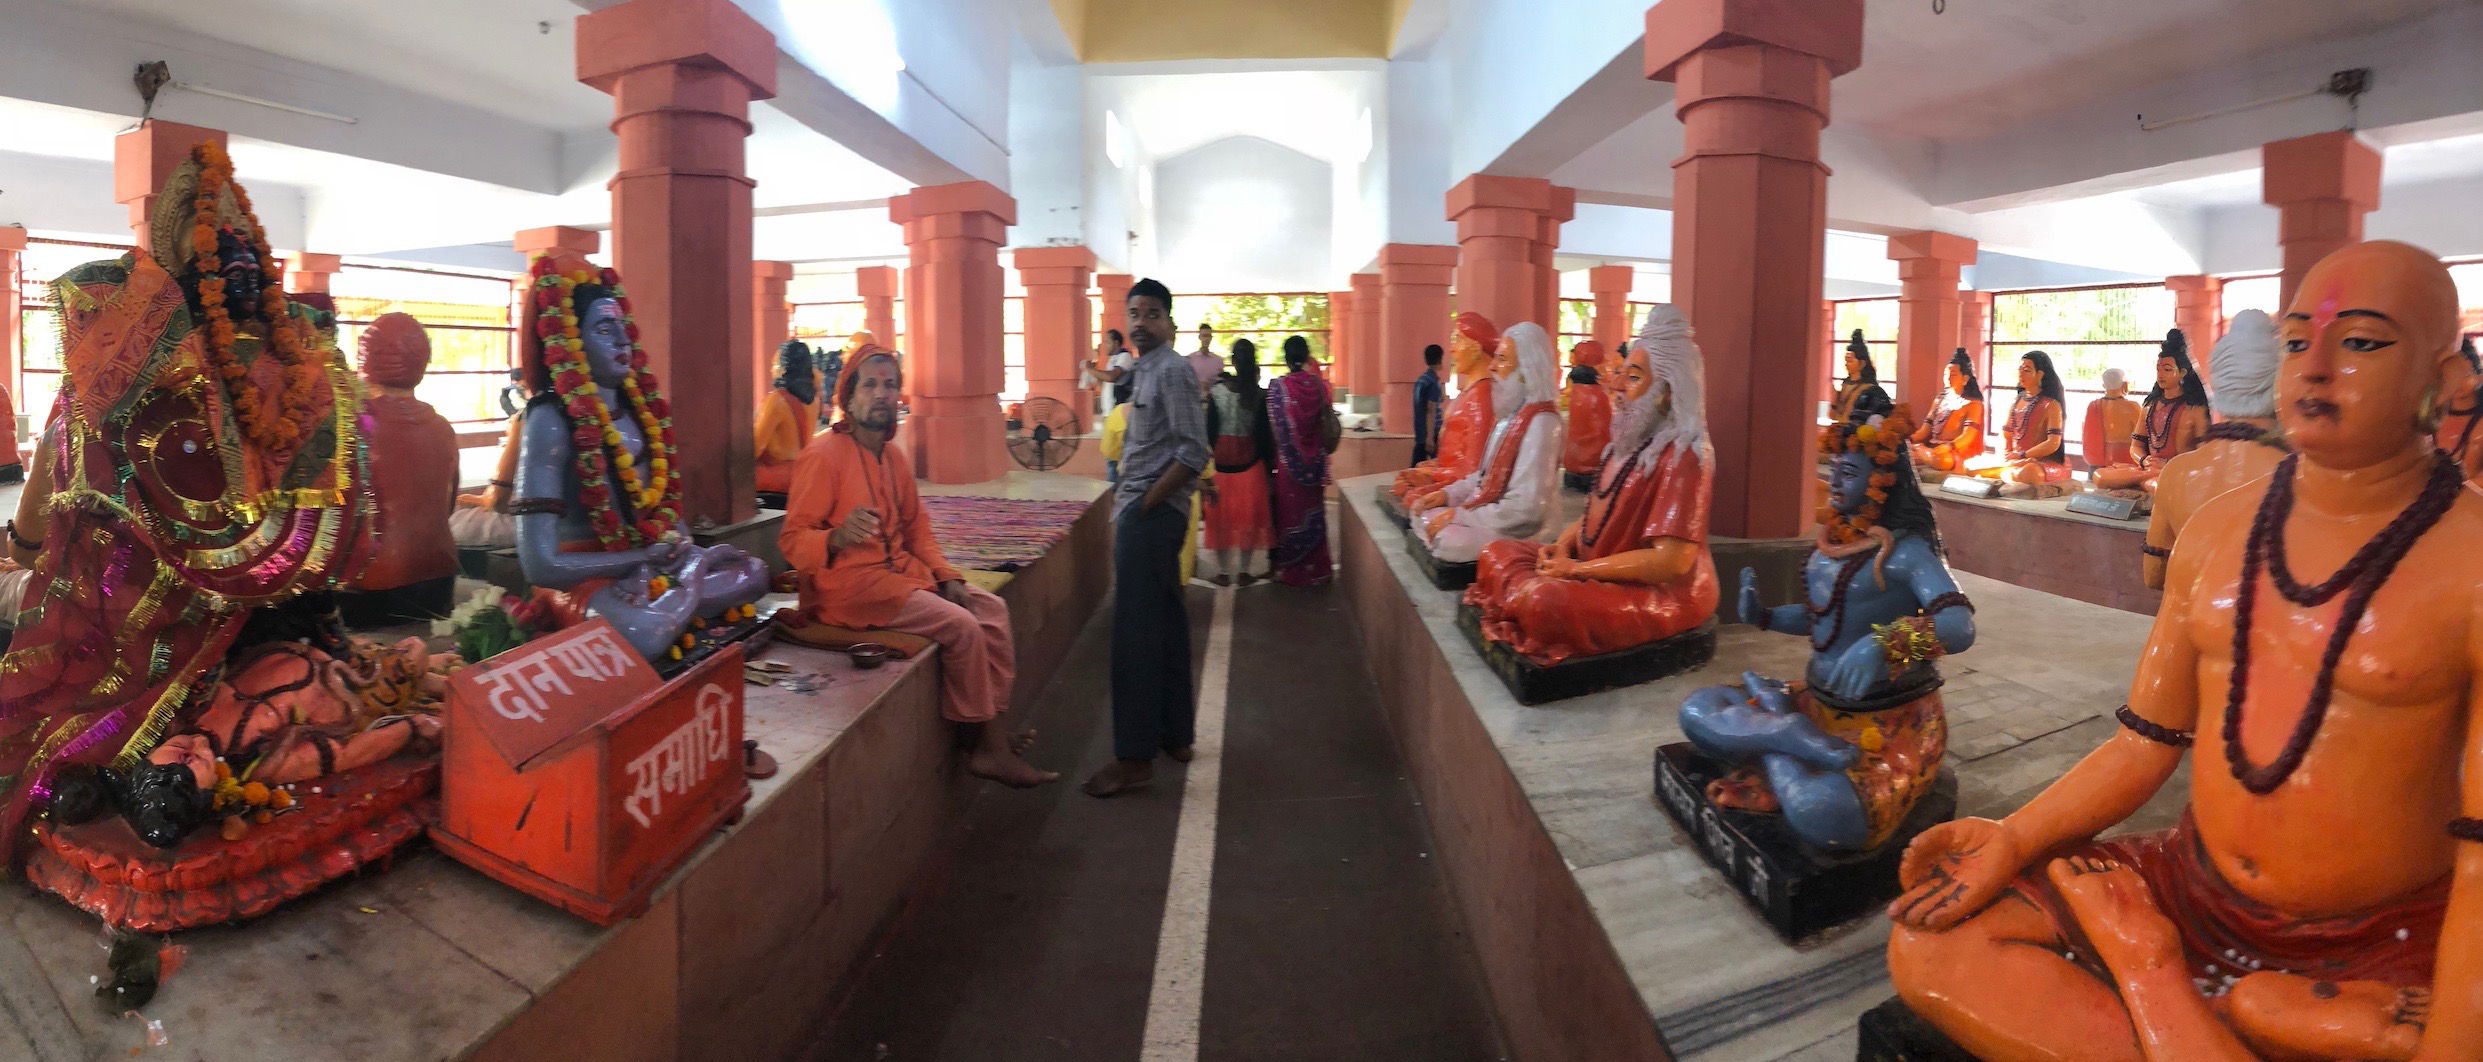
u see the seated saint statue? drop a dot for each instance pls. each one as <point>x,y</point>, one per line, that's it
<point>2322,630</point>
<point>2461,412</point>
<point>2243,446</point>
<point>785,416</point>
<point>1590,412</point>
<point>598,498</point>
<point>482,518</point>
<point>1845,754</point>
<point>1859,398</point>
<point>2111,420</point>
<point>413,455</point>
<point>861,542</point>
<point>1470,416</point>
<point>1953,435</point>
<point>1635,568</point>
<point>1516,486</point>
<point>203,463</point>
<point>2033,458</point>
<point>2175,419</point>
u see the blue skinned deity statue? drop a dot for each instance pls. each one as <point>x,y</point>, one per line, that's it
<point>1845,754</point>
<point>650,592</point>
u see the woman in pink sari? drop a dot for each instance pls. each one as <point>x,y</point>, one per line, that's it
<point>1295,405</point>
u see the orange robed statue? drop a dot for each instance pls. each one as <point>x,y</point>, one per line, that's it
<point>1590,413</point>
<point>1468,423</point>
<point>1635,568</point>
<point>786,416</point>
<point>2320,638</point>
<point>413,453</point>
<point>860,542</point>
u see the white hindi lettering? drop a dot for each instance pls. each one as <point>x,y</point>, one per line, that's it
<point>510,697</point>
<point>679,763</point>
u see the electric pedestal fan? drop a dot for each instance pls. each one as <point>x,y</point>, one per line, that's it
<point>1044,435</point>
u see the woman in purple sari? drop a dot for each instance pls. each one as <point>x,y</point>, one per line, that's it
<point>1295,406</point>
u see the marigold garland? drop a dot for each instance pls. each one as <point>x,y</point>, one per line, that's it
<point>1886,444</point>
<point>597,440</point>
<point>304,368</point>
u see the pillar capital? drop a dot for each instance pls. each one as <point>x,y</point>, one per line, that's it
<point>2330,165</point>
<point>772,272</point>
<point>1054,265</point>
<point>1534,195</point>
<point>1412,304</point>
<point>2193,283</point>
<point>1604,278</point>
<point>649,34</point>
<point>963,197</point>
<point>1366,284</point>
<point>1830,31</point>
<point>876,282</point>
<point>557,238</point>
<point>144,157</point>
<point>308,273</point>
<point>1941,247</point>
<point>1413,263</point>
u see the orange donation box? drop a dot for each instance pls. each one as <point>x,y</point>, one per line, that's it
<point>549,789</point>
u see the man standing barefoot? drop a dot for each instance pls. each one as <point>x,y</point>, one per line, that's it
<point>1152,702</point>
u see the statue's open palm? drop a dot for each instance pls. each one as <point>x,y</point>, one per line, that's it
<point>1954,870</point>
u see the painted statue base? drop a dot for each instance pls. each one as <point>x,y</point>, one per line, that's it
<point>1533,683</point>
<point>1577,482</point>
<point>420,602</point>
<point>1390,507</point>
<point>354,818</point>
<point>751,634</point>
<point>1797,889</point>
<point>1892,1032</point>
<point>1446,575</point>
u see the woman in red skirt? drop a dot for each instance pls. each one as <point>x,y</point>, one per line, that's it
<point>1239,523</point>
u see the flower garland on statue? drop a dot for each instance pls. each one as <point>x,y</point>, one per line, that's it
<point>1885,441</point>
<point>597,441</point>
<point>303,367</point>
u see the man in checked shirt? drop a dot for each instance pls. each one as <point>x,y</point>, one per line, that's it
<point>1152,701</point>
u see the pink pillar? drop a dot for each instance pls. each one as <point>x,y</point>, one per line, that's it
<point>1414,280</point>
<point>953,234</point>
<point>143,157</point>
<point>2322,184</point>
<point>1749,231</point>
<point>1928,264</point>
<point>1371,352</point>
<point>1112,302</point>
<point>878,287</point>
<point>771,320</point>
<point>1501,261</point>
<point>682,75</point>
<point>1340,334</point>
<point>1611,284</point>
<point>2198,310</point>
<point>1547,245</point>
<point>307,273</point>
<point>1058,319</point>
<point>12,262</point>
<point>1974,310</point>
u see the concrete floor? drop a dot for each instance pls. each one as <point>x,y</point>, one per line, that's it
<point>1330,933</point>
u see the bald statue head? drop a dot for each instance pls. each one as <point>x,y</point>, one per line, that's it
<point>2370,336</point>
<point>395,352</point>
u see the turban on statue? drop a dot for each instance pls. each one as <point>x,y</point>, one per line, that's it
<point>2245,365</point>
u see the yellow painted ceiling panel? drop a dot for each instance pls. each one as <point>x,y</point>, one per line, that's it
<point>1137,31</point>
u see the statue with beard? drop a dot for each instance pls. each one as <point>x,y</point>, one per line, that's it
<point>1516,483</point>
<point>786,415</point>
<point>1846,754</point>
<point>1635,569</point>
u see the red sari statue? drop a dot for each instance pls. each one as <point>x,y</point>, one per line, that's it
<point>1590,412</point>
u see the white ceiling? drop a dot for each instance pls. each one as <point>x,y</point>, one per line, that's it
<point>492,55</point>
<point>2420,162</point>
<point>1988,65</point>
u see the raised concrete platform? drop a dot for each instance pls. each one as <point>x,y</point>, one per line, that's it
<point>1602,932</point>
<point>2043,546</point>
<point>738,958</point>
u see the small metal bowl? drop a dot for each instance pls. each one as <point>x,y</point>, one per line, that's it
<point>869,655</point>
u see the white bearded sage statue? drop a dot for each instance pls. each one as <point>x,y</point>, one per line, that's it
<point>1517,486</point>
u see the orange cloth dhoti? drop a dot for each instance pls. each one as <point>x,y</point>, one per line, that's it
<point>1635,502</point>
<point>978,659</point>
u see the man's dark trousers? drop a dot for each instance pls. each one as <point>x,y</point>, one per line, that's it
<point>1152,706</point>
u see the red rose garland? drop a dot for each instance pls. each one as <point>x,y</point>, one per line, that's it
<point>596,441</point>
